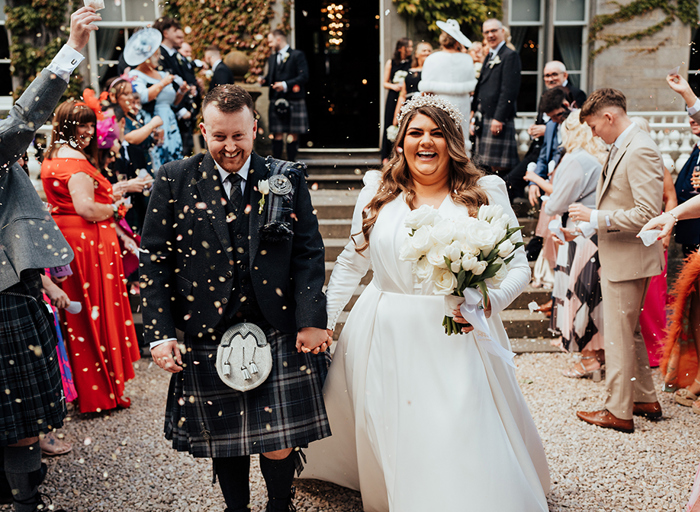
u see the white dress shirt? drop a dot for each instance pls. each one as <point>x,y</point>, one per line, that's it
<point>280,55</point>
<point>243,172</point>
<point>494,51</point>
<point>695,108</point>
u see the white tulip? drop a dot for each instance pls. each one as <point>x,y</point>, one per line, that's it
<point>505,249</point>
<point>454,251</point>
<point>469,262</point>
<point>264,187</point>
<point>456,266</point>
<point>490,211</point>
<point>479,268</point>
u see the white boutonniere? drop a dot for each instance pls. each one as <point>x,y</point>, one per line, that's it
<point>495,62</point>
<point>285,56</point>
<point>264,189</point>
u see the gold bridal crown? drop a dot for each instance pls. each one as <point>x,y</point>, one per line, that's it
<point>424,100</point>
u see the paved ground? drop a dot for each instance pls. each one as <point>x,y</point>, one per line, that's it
<point>121,462</point>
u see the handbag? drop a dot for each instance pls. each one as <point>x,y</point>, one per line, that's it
<point>244,357</point>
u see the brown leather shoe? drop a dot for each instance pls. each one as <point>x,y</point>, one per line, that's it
<point>651,410</point>
<point>606,419</point>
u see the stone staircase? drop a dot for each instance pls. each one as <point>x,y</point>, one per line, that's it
<point>338,170</point>
<point>528,331</point>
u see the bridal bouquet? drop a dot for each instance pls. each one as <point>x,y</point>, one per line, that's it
<point>454,255</point>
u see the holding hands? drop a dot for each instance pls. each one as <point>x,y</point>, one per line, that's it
<point>312,339</point>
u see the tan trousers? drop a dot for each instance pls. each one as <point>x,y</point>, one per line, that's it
<point>627,373</point>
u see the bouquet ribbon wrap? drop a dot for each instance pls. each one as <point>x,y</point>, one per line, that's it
<point>472,313</point>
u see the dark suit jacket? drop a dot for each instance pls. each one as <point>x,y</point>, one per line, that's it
<point>222,75</point>
<point>687,231</point>
<point>577,96</point>
<point>497,90</point>
<point>551,150</point>
<point>294,71</point>
<point>189,267</point>
<point>29,238</point>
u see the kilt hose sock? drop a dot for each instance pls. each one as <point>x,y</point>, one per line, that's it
<point>23,471</point>
<point>279,476</point>
<point>292,150</point>
<point>234,475</point>
<point>277,148</point>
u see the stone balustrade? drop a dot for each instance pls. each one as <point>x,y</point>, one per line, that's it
<point>670,130</point>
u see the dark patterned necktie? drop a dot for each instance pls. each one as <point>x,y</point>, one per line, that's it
<point>236,194</point>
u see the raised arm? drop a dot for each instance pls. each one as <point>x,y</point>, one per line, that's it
<point>36,105</point>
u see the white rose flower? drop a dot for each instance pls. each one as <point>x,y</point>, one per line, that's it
<point>444,232</point>
<point>469,249</point>
<point>469,262</point>
<point>500,226</point>
<point>423,269</point>
<point>408,252</point>
<point>462,225</point>
<point>436,256</point>
<point>482,236</point>
<point>423,216</point>
<point>490,211</point>
<point>505,249</point>
<point>444,282</point>
<point>479,268</point>
<point>421,240</point>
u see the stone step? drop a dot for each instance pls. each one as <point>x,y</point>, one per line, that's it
<point>334,246</point>
<point>335,181</point>
<point>523,345</point>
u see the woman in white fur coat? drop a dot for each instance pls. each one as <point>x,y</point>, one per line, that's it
<point>450,73</point>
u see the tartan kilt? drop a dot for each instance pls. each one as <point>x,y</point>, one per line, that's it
<point>31,400</point>
<point>208,419</point>
<point>297,122</point>
<point>497,150</point>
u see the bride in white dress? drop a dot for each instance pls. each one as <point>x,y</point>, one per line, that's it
<point>423,421</point>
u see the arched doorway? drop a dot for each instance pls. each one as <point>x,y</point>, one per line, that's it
<point>341,43</point>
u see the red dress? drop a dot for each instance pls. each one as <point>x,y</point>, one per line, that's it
<point>101,339</point>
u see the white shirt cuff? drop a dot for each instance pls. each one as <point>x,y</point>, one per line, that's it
<point>587,229</point>
<point>181,112</point>
<point>284,84</point>
<point>65,62</point>
<point>154,344</point>
<point>594,219</point>
<point>695,108</point>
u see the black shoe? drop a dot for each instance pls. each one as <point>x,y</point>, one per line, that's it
<point>288,506</point>
<point>6,491</point>
<point>38,499</point>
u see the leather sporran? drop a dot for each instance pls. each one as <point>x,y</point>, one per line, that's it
<point>244,357</point>
<point>282,109</point>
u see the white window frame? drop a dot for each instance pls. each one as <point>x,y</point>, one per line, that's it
<point>541,42</point>
<point>583,73</point>
<point>94,65</point>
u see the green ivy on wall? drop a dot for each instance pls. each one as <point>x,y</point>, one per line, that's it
<point>38,29</point>
<point>230,24</point>
<point>467,12</point>
<point>684,10</point>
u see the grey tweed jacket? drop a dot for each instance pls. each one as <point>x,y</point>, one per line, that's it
<point>29,238</point>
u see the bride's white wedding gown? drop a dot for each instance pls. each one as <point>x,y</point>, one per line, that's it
<point>423,421</point>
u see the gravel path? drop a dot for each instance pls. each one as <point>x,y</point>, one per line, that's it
<point>121,462</point>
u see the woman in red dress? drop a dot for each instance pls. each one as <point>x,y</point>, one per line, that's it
<point>101,339</point>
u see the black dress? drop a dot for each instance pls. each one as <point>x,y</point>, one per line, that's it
<point>412,81</point>
<point>391,101</point>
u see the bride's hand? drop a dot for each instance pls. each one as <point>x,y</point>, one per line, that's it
<point>312,339</point>
<point>460,320</point>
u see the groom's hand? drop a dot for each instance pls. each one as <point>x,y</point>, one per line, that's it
<point>312,339</point>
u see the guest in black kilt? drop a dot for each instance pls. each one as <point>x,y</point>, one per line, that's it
<point>287,74</point>
<point>494,103</point>
<point>395,72</point>
<point>32,401</point>
<point>213,261</point>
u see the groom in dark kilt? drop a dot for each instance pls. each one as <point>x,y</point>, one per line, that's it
<point>219,251</point>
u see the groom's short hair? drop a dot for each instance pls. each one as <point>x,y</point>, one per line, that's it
<point>228,98</point>
<point>600,99</point>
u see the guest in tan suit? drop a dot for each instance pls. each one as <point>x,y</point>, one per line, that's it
<point>629,194</point>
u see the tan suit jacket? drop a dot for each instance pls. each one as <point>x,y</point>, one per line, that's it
<point>630,193</point>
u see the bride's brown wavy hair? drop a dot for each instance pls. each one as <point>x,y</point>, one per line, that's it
<point>396,176</point>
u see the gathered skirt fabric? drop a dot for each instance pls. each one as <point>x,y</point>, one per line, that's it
<point>425,421</point>
<point>31,400</point>
<point>101,339</point>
